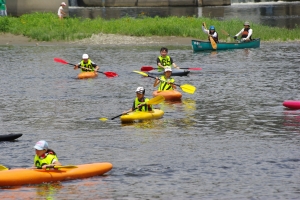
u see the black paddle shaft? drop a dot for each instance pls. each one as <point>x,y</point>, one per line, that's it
<point>162,80</point>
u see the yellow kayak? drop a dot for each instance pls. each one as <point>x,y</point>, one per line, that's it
<point>133,116</point>
<point>15,177</point>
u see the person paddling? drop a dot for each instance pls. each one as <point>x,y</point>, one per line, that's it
<point>87,65</point>
<point>246,33</point>
<point>167,81</point>
<point>139,103</point>
<point>164,60</point>
<point>44,157</point>
<point>211,32</point>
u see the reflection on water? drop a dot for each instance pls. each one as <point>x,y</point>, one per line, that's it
<point>292,119</point>
<point>280,14</point>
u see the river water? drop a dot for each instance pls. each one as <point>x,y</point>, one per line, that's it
<point>232,139</point>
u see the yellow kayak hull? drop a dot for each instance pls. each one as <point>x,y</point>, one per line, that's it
<point>134,116</point>
<point>16,177</point>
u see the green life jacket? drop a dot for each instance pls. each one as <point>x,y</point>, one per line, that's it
<point>2,4</point>
<point>87,66</point>
<point>45,160</point>
<point>166,61</point>
<point>164,85</point>
<point>143,108</point>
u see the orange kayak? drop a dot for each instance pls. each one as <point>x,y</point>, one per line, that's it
<point>170,95</point>
<point>87,75</point>
<point>16,177</point>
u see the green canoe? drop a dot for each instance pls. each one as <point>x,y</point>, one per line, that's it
<point>205,45</point>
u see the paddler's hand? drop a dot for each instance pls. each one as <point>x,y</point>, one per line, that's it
<point>47,166</point>
<point>75,67</point>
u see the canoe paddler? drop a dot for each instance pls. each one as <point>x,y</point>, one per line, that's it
<point>139,103</point>
<point>165,81</point>
<point>44,157</point>
<point>246,33</point>
<point>87,65</point>
<point>164,60</point>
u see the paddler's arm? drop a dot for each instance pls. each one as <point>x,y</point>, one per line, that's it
<point>56,162</point>
<point>156,82</point>
<point>77,66</point>
<point>172,84</point>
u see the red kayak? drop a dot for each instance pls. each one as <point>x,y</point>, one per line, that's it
<point>291,104</point>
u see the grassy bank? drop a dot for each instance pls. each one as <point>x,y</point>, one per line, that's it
<point>47,27</point>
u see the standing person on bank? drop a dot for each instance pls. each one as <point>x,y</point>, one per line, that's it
<point>164,60</point>
<point>44,157</point>
<point>211,32</point>
<point>87,65</point>
<point>246,33</point>
<point>60,11</point>
<point>167,82</point>
<point>3,8</point>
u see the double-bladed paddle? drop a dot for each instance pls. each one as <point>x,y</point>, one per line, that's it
<point>2,167</point>
<point>153,101</point>
<point>108,74</point>
<point>60,166</point>
<point>149,68</point>
<point>211,39</point>
<point>185,87</point>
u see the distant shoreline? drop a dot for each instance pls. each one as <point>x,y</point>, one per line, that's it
<point>98,39</point>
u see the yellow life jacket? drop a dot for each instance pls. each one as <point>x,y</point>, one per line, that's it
<point>45,160</point>
<point>164,85</point>
<point>86,66</point>
<point>166,61</point>
<point>143,108</point>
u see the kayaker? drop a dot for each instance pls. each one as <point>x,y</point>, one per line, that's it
<point>211,32</point>
<point>164,60</point>
<point>167,81</point>
<point>60,11</point>
<point>44,157</point>
<point>246,33</point>
<point>87,65</point>
<point>139,101</point>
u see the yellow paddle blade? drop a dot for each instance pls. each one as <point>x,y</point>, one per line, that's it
<point>102,119</point>
<point>2,168</point>
<point>64,166</point>
<point>188,88</point>
<point>142,73</point>
<point>213,43</point>
<point>156,100</point>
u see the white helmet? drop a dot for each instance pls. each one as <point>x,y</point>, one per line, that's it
<point>168,69</point>
<point>140,90</point>
<point>85,56</point>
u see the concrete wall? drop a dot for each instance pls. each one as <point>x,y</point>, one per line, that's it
<point>151,3</point>
<point>19,7</point>
<point>214,3</point>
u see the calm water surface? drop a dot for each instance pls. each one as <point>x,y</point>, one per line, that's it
<point>232,139</point>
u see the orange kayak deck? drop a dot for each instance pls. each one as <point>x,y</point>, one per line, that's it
<point>16,177</point>
<point>170,95</point>
<point>83,75</point>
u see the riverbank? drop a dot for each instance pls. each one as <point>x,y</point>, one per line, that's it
<point>97,39</point>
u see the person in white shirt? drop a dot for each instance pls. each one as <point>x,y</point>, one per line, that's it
<point>211,32</point>
<point>60,11</point>
<point>246,33</point>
